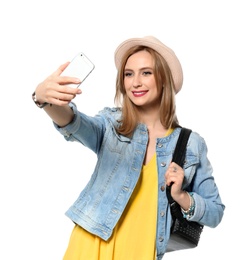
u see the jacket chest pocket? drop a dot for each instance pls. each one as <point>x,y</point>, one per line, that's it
<point>115,145</point>
<point>190,166</point>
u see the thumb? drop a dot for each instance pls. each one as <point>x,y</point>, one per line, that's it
<point>59,71</point>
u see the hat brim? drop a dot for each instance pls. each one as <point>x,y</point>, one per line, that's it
<point>167,53</point>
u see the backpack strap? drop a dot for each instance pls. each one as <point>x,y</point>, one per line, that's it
<point>180,149</point>
<point>179,158</point>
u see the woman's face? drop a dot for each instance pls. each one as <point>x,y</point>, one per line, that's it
<point>139,80</point>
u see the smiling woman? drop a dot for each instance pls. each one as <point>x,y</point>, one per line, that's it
<point>123,212</point>
<point>139,80</point>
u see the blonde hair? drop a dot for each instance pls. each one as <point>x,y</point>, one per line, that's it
<point>165,84</point>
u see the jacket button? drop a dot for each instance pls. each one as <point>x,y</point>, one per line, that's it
<point>162,213</point>
<point>163,164</point>
<point>162,188</point>
<point>161,239</point>
<point>160,145</point>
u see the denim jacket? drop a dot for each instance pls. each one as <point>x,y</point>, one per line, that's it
<point>119,162</point>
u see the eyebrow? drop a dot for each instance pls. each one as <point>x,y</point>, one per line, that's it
<point>143,68</point>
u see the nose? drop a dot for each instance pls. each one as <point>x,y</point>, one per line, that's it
<point>137,85</point>
<point>136,82</point>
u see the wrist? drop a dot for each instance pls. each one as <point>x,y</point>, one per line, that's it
<point>40,105</point>
<point>190,211</point>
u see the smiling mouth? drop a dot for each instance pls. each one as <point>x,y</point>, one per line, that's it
<point>139,93</point>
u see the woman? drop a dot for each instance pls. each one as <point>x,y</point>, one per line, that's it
<point>123,212</point>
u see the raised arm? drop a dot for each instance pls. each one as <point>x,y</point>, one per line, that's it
<point>56,94</point>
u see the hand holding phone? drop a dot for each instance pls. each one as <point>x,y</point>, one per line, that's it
<point>80,67</point>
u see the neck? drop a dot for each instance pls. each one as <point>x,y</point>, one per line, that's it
<point>151,119</point>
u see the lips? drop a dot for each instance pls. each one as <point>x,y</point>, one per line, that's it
<point>139,93</point>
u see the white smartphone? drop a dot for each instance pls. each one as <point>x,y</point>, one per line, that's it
<point>80,67</point>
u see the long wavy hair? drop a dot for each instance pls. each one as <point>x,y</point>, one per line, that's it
<point>165,85</point>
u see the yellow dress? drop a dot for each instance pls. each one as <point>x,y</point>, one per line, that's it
<point>134,237</point>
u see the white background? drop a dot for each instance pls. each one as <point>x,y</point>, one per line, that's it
<point>41,174</point>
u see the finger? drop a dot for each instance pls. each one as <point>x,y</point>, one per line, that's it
<point>67,90</point>
<point>173,174</point>
<point>62,96</point>
<point>67,80</point>
<point>60,69</point>
<point>58,102</point>
<point>174,169</point>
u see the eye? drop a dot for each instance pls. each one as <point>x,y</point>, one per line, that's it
<point>127,74</point>
<point>147,73</point>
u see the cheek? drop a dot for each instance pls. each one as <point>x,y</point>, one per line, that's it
<point>127,84</point>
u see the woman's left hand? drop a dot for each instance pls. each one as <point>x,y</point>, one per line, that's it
<point>175,175</point>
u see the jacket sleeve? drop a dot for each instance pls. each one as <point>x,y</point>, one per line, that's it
<point>84,129</point>
<point>209,208</point>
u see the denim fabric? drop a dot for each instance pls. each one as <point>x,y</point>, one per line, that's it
<point>119,162</point>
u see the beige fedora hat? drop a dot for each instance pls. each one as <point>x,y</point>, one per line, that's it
<point>167,53</point>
